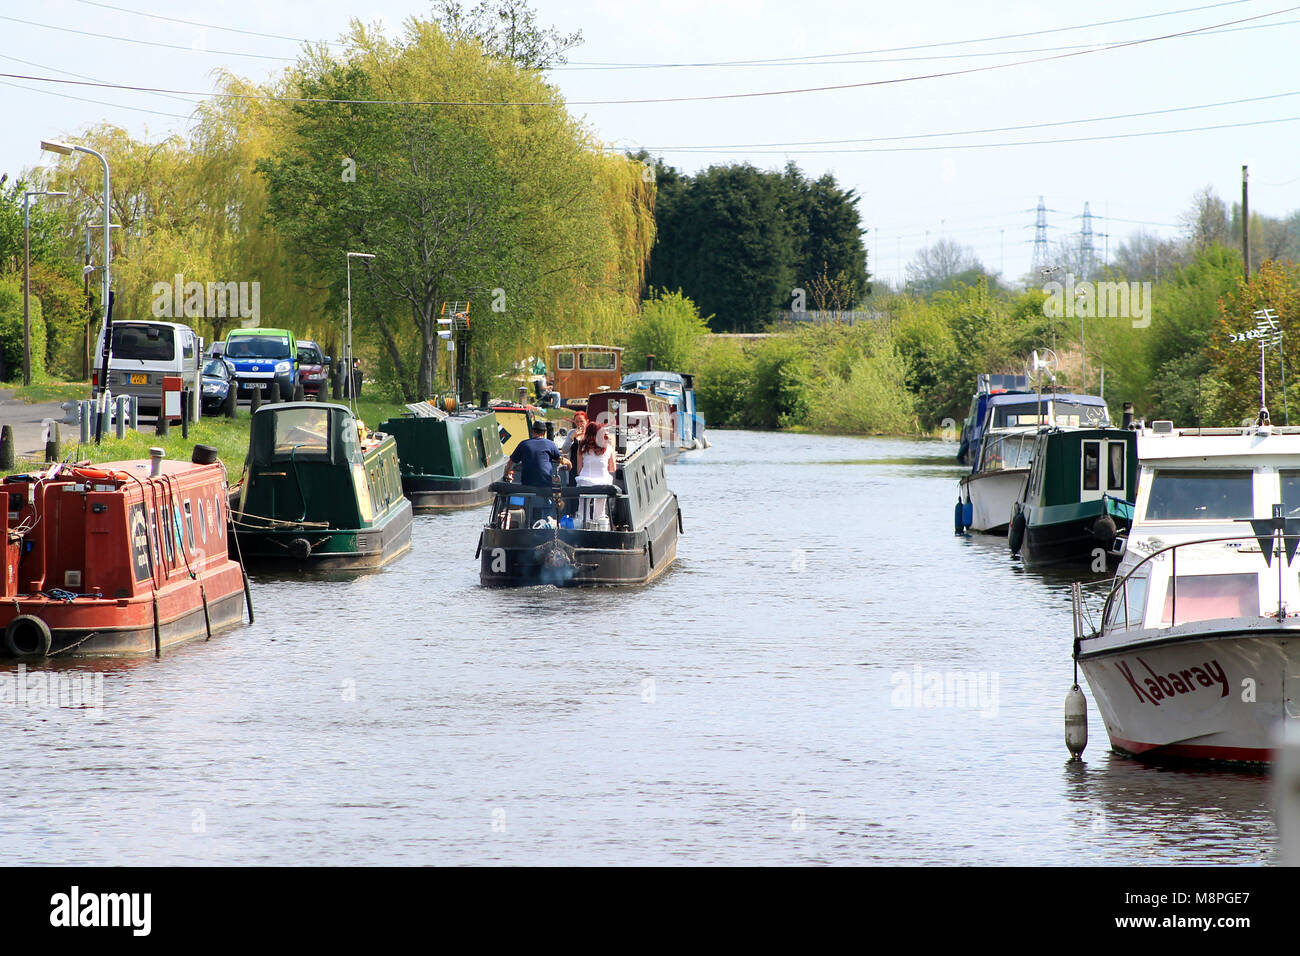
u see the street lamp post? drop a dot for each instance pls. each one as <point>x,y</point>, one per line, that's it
<point>27,278</point>
<point>67,149</point>
<point>347,366</point>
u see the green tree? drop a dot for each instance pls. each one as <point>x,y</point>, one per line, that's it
<point>670,329</point>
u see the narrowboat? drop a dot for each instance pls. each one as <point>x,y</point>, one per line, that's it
<point>654,410</point>
<point>679,389</point>
<point>623,533</point>
<point>119,559</point>
<point>972,428</point>
<point>514,423</point>
<point>579,370</point>
<point>1197,650</point>
<point>987,496</point>
<point>1078,499</point>
<point>319,491</point>
<point>447,460</point>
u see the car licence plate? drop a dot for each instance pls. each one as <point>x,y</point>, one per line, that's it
<point>139,379</point>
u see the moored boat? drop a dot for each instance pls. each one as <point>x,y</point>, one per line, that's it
<point>319,492</point>
<point>1198,648</point>
<point>679,389</point>
<point>987,496</point>
<point>579,370</point>
<point>972,429</point>
<point>1078,499</point>
<point>557,535</point>
<point>122,558</point>
<point>447,460</point>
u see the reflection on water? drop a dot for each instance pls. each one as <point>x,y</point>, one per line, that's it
<point>829,674</point>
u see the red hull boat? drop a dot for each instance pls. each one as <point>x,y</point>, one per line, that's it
<point>112,560</point>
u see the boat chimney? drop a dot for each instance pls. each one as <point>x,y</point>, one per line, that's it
<point>650,363</point>
<point>484,397</point>
<point>620,428</point>
<point>1127,421</point>
<point>521,393</point>
<point>156,456</point>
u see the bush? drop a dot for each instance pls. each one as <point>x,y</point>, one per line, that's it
<point>11,332</point>
<point>670,329</point>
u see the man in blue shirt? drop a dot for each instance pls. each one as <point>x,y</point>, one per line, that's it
<point>536,458</point>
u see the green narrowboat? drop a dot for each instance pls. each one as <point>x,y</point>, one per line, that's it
<point>447,461</point>
<point>319,492</point>
<point>1078,497</point>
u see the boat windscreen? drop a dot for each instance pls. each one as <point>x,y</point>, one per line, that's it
<point>302,433</point>
<point>1063,413</point>
<point>1200,495</point>
<point>1210,597</point>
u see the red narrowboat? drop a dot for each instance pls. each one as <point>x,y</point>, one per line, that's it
<point>659,412</point>
<point>115,560</point>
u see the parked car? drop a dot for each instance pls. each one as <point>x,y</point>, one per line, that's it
<point>144,352</point>
<point>313,370</point>
<point>261,356</point>
<point>218,380</point>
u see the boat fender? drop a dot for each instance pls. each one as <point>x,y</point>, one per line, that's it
<point>1104,531</point>
<point>28,636</point>
<point>1076,722</point>
<point>300,548</point>
<point>1016,536</point>
<point>957,526</point>
<point>967,514</point>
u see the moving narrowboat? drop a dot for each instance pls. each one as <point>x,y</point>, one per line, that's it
<point>447,460</point>
<point>1197,649</point>
<point>320,492</point>
<point>123,558</point>
<point>579,370</point>
<point>623,533</point>
<point>655,410</point>
<point>987,496</point>
<point>1078,499</point>
<point>972,429</point>
<point>679,389</point>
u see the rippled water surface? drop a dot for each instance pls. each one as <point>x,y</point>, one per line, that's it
<point>750,707</point>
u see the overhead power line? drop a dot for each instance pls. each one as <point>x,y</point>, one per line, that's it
<point>673,99</point>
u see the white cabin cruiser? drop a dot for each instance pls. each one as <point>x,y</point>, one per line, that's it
<point>1198,651</point>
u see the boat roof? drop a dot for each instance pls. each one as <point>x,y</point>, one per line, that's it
<point>653,375</point>
<point>604,348</point>
<point>1007,398</point>
<point>1251,446</point>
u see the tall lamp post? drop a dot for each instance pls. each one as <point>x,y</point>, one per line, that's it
<point>67,149</point>
<point>347,366</point>
<point>27,279</point>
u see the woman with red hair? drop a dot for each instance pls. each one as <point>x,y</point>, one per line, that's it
<point>595,464</point>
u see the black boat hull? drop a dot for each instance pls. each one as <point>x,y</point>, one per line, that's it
<point>1070,542</point>
<point>430,494</point>
<point>519,558</point>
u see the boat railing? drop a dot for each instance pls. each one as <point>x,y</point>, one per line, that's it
<point>1008,450</point>
<point>1120,584</point>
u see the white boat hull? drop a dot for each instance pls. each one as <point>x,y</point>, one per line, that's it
<point>1216,690</point>
<point>992,495</point>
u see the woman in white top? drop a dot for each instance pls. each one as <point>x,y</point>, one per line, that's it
<point>594,464</point>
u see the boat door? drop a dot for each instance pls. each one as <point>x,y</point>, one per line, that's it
<point>1103,469</point>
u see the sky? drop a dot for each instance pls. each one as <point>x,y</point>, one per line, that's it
<point>921,173</point>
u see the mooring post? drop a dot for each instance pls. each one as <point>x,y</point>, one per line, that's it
<point>52,441</point>
<point>83,422</point>
<point>6,448</point>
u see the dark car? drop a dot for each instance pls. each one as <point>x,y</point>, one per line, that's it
<point>218,379</point>
<point>313,370</point>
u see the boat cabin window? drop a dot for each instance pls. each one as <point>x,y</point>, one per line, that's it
<point>1208,597</point>
<point>302,432</point>
<point>1008,451</point>
<point>1290,493</point>
<point>564,361</point>
<point>1200,495</point>
<point>1115,472</point>
<point>1091,465</point>
<point>599,361</point>
<point>1128,607</point>
<point>1071,414</point>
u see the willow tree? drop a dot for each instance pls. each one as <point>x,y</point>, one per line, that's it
<point>467,179</point>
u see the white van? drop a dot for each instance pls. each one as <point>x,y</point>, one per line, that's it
<point>143,352</point>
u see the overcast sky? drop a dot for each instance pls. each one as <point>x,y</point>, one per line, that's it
<point>941,185</point>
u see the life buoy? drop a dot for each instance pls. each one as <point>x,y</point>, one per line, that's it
<point>99,474</point>
<point>28,636</point>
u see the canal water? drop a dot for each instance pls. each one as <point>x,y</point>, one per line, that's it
<point>827,675</point>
